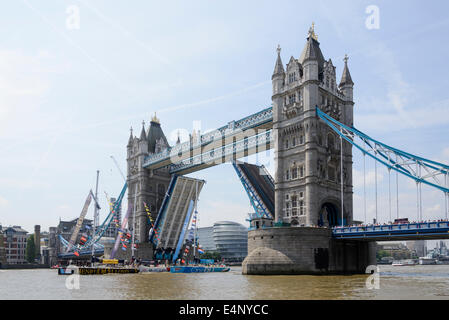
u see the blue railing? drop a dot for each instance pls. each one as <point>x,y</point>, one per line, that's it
<point>436,228</point>
<point>392,227</point>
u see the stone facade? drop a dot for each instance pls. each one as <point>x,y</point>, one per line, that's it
<point>145,185</point>
<point>307,151</point>
<point>2,250</point>
<point>312,164</point>
<point>292,250</point>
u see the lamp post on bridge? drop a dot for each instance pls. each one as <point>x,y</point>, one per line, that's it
<point>341,177</point>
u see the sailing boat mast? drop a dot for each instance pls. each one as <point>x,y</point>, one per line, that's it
<point>134,222</point>
<point>195,243</point>
<point>96,218</point>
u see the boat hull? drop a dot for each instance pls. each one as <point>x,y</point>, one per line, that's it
<point>199,269</point>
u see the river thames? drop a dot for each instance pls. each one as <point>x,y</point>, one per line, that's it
<point>404,282</point>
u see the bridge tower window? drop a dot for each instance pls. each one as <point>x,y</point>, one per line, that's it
<point>294,206</point>
<point>294,173</point>
<point>287,209</point>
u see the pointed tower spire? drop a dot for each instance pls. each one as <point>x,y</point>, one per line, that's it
<point>346,76</point>
<point>278,68</point>
<point>143,135</point>
<point>309,50</point>
<point>130,140</point>
<point>179,139</point>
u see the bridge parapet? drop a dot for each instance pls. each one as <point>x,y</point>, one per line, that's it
<point>422,230</point>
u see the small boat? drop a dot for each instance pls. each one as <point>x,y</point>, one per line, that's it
<point>66,271</point>
<point>399,263</point>
<point>198,269</point>
<point>154,269</point>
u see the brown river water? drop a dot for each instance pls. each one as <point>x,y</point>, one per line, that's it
<point>405,282</point>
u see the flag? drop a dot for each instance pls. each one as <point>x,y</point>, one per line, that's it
<point>201,251</point>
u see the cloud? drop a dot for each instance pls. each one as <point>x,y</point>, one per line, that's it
<point>357,178</point>
<point>21,183</point>
<point>404,119</point>
<point>213,211</point>
<point>3,202</point>
<point>23,85</point>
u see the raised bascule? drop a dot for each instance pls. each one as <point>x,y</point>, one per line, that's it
<point>301,216</point>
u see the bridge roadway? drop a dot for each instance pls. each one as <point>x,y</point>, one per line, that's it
<point>394,232</point>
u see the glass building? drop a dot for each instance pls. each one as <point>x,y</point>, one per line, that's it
<point>228,238</point>
<point>231,239</point>
<point>206,239</point>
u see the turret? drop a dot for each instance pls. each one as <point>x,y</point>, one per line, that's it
<point>310,60</point>
<point>278,76</point>
<point>130,140</point>
<point>143,142</point>
<point>143,135</point>
<point>346,85</point>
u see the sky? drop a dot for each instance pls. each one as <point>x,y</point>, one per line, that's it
<point>76,75</point>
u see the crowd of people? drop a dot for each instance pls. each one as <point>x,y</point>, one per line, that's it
<point>394,223</point>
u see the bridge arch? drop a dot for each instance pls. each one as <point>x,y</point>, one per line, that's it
<point>329,214</point>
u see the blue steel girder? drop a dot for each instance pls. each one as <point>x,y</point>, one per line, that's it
<point>394,159</point>
<point>259,207</point>
<point>261,119</point>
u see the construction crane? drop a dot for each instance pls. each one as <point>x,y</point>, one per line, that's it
<point>80,221</point>
<point>118,167</point>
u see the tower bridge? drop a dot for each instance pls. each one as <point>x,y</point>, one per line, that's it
<point>303,224</point>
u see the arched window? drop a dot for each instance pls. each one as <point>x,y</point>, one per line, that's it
<point>301,172</point>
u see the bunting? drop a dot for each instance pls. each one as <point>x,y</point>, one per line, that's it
<point>151,221</point>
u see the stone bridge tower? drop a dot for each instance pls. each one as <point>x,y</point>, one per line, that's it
<point>146,185</point>
<point>307,151</point>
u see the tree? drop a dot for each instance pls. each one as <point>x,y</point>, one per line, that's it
<point>211,255</point>
<point>30,249</point>
<point>382,253</point>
